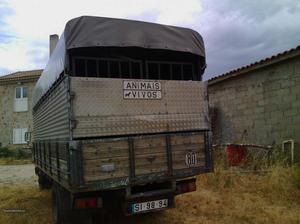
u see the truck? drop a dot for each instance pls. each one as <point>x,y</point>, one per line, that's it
<point>120,117</point>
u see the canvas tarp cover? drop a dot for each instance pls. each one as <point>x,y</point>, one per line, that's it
<point>88,31</point>
<point>96,31</point>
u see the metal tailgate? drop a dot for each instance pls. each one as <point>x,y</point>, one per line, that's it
<point>100,108</point>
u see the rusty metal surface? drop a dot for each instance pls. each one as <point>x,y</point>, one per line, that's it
<point>100,110</point>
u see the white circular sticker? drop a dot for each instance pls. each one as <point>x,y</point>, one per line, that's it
<point>191,159</point>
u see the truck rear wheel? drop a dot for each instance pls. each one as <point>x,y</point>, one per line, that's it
<point>61,205</point>
<point>43,181</point>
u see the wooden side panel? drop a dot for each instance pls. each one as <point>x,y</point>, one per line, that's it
<point>183,144</point>
<point>105,153</point>
<point>51,157</point>
<point>150,155</point>
<point>63,166</point>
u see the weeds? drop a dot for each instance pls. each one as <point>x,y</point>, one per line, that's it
<point>297,175</point>
<point>14,156</point>
<point>5,152</point>
<point>268,194</point>
<point>33,204</point>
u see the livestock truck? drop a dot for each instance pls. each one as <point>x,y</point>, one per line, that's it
<point>121,117</point>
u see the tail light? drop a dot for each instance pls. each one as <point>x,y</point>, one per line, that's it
<point>186,186</point>
<point>85,203</point>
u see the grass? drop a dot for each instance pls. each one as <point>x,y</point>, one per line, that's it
<point>13,161</point>
<point>222,197</point>
<point>34,202</point>
<point>14,156</point>
<point>226,197</point>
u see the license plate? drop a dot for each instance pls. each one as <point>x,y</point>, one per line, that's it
<point>149,205</point>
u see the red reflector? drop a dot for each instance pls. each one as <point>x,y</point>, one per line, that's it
<point>185,187</point>
<point>82,203</point>
<point>79,204</point>
<point>92,203</point>
<point>192,186</point>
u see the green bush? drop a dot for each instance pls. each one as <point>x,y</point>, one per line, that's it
<point>14,153</point>
<point>5,152</point>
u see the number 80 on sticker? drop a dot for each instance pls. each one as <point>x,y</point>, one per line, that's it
<point>191,159</point>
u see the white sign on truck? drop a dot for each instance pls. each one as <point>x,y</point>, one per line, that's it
<point>147,90</point>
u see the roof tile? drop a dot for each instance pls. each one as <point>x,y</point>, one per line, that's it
<point>254,65</point>
<point>21,76</point>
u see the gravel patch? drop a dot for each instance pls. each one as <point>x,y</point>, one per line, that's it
<point>17,174</point>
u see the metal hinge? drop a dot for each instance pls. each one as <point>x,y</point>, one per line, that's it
<point>73,123</point>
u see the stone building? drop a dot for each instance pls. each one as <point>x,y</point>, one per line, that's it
<point>258,103</point>
<point>16,107</point>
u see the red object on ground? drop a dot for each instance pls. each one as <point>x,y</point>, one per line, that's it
<point>236,154</point>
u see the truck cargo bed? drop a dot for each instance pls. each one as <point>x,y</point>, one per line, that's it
<point>114,163</point>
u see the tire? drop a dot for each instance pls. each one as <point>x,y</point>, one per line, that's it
<point>44,182</point>
<point>61,205</point>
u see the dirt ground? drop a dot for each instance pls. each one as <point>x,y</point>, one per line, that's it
<point>221,198</point>
<point>17,174</point>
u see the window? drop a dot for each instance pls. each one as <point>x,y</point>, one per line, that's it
<point>19,135</point>
<point>21,99</point>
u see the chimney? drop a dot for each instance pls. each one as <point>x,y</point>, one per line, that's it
<point>53,42</point>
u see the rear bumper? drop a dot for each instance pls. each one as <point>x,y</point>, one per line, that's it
<point>131,198</point>
<point>178,187</point>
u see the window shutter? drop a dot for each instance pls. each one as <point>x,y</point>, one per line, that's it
<point>24,130</point>
<point>19,135</point>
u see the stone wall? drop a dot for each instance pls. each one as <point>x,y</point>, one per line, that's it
<point>258,107</point>
<point>10,119</point>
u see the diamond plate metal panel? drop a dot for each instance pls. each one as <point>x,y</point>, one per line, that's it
<point>100,110</point>
<point>51,120</point>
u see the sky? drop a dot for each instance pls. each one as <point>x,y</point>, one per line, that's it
<point>236,32</point>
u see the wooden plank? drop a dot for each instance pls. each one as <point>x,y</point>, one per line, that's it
<point>150,155</point>
<point>96,175</point>
<point>63,163</point>
<point>150,142</point>
<point>145,165</point>
<point>105,149</point>
<point>181,164</point>
<point>101,153</point>
<point>92,168</point>
<point>88,155</point>
<point>146,158</point>
<point>116,160</point>
<point>182,154</point>
<point>196,147</point>
<point>148,150</point>
<point>187,139</point>
<point>142,171</point>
